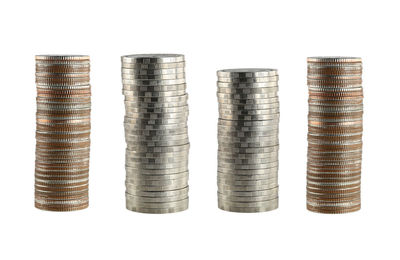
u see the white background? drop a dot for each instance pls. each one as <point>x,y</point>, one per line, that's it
<point>213,35</point>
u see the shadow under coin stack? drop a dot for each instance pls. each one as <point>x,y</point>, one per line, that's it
<point>334,134</point>
<point>248,141</point>
<point>156,133</point>
<point>62,132</point>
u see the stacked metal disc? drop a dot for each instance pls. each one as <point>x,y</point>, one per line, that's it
<point>248,140</point>
<point>156,132</point>
<point>334,134</point>
<point>62,132</point>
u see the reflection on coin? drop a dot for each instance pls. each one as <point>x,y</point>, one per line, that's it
<point>248,143</point>
<point>156,132</point>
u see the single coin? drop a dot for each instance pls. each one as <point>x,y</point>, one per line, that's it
<point>152,71</point>
<point>249,80</point>
<point>153,58</point>
<point>163,88</point>
<point>247,73</point>
<point>172,65</point>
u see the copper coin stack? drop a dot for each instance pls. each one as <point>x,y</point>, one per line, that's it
<point>248,143</point>
<point>62,132</point>
<point>334,134</point>
<point>156,133</point>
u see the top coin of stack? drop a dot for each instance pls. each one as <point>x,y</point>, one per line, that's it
<point>334,134</point>
<point>62,132</point>
<point>248,140</point>
<point>156,132</point>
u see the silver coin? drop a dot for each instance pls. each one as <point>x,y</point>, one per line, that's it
<point>163,88</point>
<point>248,130</point>
<point>248,210</point>
<point>257,204</point>
<point>152,71</point>
<point>229,170</point>
<point>227,144</point>
<point>144,82</point>
<point>247,91</point>
<point>156,116</point>
<point>163,183</point>
<point>249,80</point>
<point>160,194</point>
<point>156,205</point>
<point>255,166</point>
<point>252,161</point>
<point>233,139</point>
<point>222,96</point>
<point>42,181</point>
<point>233,182</point>
<point>132,170</point>
<point>183,130</point>
<point>176,99</point>
<point>250,194</point>
<point>146,163</point>
<point>247,199</point>
<point>157,168</point>
<point>133,103</point>
<point>157,177</point>
<point>248,107</point>
<point>249,150</point>
<point>252,177</point>
<point>247,73</point>
<point>247,85</point>
<point>222,188</point>
<point>247,134</point>
<point>153,94</point>
<point>229,155</point>
<point>153,77</point>
<point>143,121</point>
<point>156,143</point>
<point>260,123</point>
<point>153,58</point>
<point>252,101</point>
<point>161,110</point>
<point>157,211</point>
<point>136,126</point>
<point>132,187</point>
<point>248,112</point>
<point>166,160</point>
<point>155,199</point>
<point>171,149</point>
<point>153,66</point>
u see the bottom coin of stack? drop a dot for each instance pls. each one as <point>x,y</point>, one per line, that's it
<point>156,133</point>
<point>62,132</point>
<point>334,134</point>
<point>248,140</point>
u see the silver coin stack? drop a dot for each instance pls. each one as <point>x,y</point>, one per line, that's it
<point>248,140</point>
<point>156,132</point>
<point>62,132</point>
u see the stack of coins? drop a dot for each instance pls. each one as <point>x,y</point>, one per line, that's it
<point>156,132</point>
<point>62,132</point>
<point>334,134</point>
<point>248,140</point>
